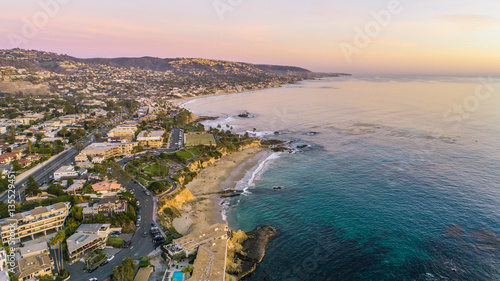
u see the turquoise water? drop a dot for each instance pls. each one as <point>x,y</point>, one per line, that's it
<point>392,186</point>
<point>177,276</point>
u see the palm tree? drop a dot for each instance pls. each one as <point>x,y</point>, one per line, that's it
<point>58,239</point>
<point>53,242</point>
<point>61,236</point>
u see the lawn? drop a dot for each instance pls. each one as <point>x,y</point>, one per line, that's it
<point>183,155</point>
<point>195,150</point>
<point>115,242</point>
<point>200,139</point>
<point>154,169</point>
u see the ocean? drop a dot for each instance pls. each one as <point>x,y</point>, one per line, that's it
<point>397,177</point>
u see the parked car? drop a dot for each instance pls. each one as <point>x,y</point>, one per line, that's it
<point>104,263</point>
<point>145,234</point>
<point>93,279</point>
<point>93,268</point>
<point>137,224</point>
<point>110,258</point>
<point>115,235</point>
<point>153,224</point>
<point>138,218</point>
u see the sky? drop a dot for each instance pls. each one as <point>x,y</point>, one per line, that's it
<point>356,36</point>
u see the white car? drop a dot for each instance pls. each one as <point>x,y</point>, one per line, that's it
<point>110,258</point>
<point>93,279</point>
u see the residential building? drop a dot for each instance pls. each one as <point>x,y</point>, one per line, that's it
<point>77,185</point>
<point>107,206</point>
<point>8,157</point>
<point>34,266</point>
<point>123,131</point>
<point>210,262</point>
<point>211,245</point>
<point>106,150</point>
<point>190,243</point>
<point>105,186</point>
<point>34,250</point>
<point>151,139</point>
<point>66,171</point>
<point>37,221</point>
<point>88,237</point>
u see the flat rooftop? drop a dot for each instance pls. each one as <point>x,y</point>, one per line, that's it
<point>193,240</point>
<point>79,240</point>
<point>92,227</point>
<point>210,263</point>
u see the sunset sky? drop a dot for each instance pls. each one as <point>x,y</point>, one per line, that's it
<point>445,36</point>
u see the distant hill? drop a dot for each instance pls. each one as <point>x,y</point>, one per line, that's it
<point>174,77</point>
<point>188,64</point>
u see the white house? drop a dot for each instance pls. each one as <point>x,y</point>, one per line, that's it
<point>66,171</point>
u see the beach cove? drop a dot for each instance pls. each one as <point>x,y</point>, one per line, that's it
<point>373,194</point>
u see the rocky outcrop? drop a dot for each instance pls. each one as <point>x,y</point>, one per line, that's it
<point>204,162</point>
<point>246,250</point>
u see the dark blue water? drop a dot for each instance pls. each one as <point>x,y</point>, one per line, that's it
<point>388,189</point>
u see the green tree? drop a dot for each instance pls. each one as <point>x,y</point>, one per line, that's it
<point>39,136</point>
<point>16,166</point>
<point>63,132</point>
<point>125,271</point>
<point>70,182</point>
<point>32,188</point>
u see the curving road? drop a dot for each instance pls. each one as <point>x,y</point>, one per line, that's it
<point>140,246</point>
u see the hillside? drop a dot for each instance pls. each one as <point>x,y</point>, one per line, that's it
<point>173,77</point>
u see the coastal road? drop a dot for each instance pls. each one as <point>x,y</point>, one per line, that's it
<point>42,174</point>
<point>48,168</point>
<point>139,247</point>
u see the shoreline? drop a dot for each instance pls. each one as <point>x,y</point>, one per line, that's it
<point>181,102</point>
<point>207,209</point>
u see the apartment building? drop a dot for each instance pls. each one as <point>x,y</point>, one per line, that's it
<point>37,221</point>
<point>151,139</point>
<point>126,132</point>
<point>88,237</point>
<point>107,206</point>
<point>102,151</point>
<point>189,244</point>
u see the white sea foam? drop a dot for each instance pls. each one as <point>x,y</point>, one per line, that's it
<point>255,173</point>
<point>248,181</point>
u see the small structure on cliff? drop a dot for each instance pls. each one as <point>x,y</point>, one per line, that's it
<point>190,243</point>
<point>211,244</point>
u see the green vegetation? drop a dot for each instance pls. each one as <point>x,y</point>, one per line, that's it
<point>125,271</point>
<point>115,242</point>
<point>195,150</point>
<point>159,187</point>
<point>156,170</point>
<point>181,156</point>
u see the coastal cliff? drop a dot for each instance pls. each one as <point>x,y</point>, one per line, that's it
<point>246,250</point>
<point>187,174</point>
<point>170,206</point>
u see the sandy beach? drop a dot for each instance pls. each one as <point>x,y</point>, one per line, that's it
<point>224,174</point>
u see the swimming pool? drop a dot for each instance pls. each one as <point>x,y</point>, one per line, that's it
<point>177,276</point>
